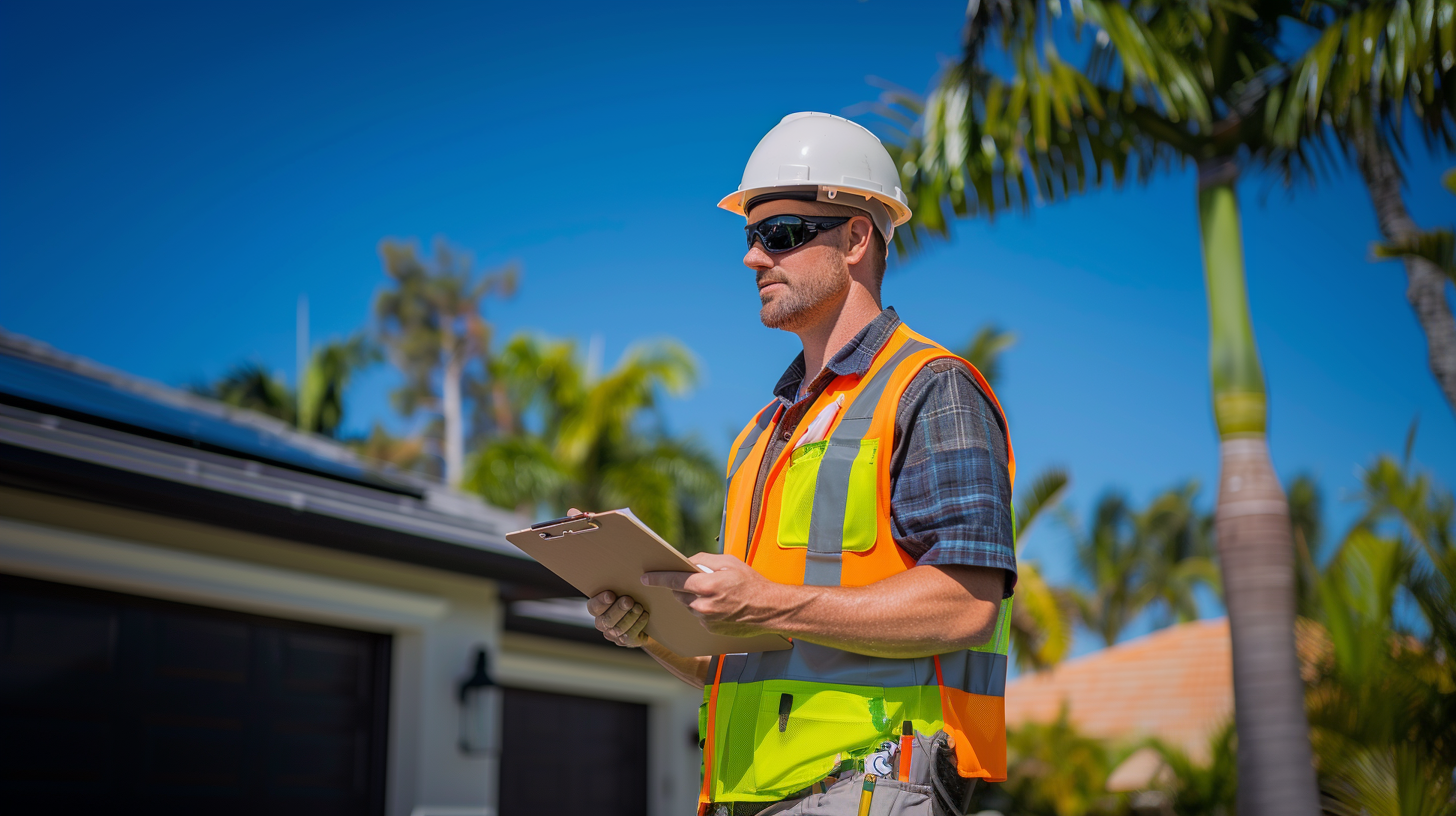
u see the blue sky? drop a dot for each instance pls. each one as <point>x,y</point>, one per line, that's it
<point>173,176</point>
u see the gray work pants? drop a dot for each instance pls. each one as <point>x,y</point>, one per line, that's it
<point>891,797</point>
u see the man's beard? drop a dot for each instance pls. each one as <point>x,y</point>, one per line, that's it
<point>796,304</point>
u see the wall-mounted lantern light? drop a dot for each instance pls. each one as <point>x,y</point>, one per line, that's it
<point>480,710</point>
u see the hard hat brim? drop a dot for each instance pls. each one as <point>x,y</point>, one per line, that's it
<point>899,210</point>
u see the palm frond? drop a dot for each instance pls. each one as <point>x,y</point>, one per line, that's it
<point>1041,620</point>
<point>1048,488</point>
<point>985,350</point>
<point>1437,246</point>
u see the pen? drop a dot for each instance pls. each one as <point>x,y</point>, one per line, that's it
<point>907,746</point>
<point>867,794</point>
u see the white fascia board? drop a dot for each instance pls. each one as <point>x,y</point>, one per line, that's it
<point>52,553</point>
<point>572,675</point>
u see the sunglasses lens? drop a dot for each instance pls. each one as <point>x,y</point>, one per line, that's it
<point>781,232</point>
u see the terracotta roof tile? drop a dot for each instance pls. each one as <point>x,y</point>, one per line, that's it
<point>1175,684</point>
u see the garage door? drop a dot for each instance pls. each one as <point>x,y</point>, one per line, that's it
<point>568,755</point>
<point>116,704</point>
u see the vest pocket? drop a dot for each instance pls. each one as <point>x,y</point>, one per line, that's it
<point>796,507</point>
<point>807,466</point>
<point>805,729</point>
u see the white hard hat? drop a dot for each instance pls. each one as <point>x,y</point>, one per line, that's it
<point>823,157</point>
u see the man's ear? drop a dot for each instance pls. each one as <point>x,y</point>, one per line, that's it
<point>861,232</point>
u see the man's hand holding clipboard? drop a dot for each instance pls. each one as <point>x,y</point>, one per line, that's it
<point>643,593</point>
<point>721,594</point>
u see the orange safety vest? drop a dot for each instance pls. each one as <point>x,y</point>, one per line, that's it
<point>775,723</point>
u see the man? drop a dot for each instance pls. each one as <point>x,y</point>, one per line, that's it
<point>867,518</point>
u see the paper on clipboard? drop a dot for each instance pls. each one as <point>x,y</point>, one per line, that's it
<point>611,551</point>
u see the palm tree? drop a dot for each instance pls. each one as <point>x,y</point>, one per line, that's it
<point>1426,280</point>
<point>321,410</point>
<point>985,349</point>
<point>1306,511</point>
<point>1380,701</point>
<point>1151,560</point>
<point>1041,618</point>
<point>1374,62</point>
<point>1181,547</point>
<point>431,322</point>
<point>578,441</point>
<point>330,369</point>
<point>1166,83</point>
<point>249,385</point>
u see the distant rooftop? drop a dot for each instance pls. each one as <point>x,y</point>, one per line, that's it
<point>71,427</point>
<point>1175,684</point>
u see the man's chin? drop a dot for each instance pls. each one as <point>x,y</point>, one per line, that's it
<point>779,318</point>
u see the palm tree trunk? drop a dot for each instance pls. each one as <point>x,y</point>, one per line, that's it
<point>1426,284</point>
<point>454,419</point>
<point>1276,767</point>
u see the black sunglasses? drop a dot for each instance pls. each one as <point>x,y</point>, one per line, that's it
<point>781,233</point>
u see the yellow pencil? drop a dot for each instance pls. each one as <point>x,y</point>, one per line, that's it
<point>867,794</point>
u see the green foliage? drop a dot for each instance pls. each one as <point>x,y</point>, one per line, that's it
<point>1140,559</point>
<point>1203,789</point>
<point>985,350</point>
<point>248,385</point>
<point>1306,507</point>
<point>564,439</point>
<point>321,408</point>
<point>1382,695</point>
<point>1042,617</point>
<point>330,369</point>
<point>431,322</point>
<point>1054,770</point>
<point>1437,246</point>
<point>1165,81</point>
<point>1370,62</point>
<point>433,314</point>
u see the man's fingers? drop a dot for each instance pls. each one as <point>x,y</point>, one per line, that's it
<point>614,614</point>
<point>671,580</point>
<point>685,598</point>
<point>715,561</point>
<point>635,631</point>
<point>625,622</point>
<point>598,603</point>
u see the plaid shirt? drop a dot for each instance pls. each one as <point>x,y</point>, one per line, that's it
<point>950,501</point>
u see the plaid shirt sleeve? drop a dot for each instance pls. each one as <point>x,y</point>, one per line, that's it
<point>950,503</point>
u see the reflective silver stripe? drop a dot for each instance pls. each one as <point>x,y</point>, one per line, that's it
<point>975,672</point>
<point>763,420</point>
<point>831,489</point>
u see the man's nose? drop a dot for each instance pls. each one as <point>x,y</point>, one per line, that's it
<point>757,258</point>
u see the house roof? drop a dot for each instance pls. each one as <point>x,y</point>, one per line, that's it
<point>71,427</point>
<point>35,374</point>
<point>1175,684</point>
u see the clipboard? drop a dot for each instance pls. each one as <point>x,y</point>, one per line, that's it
<point>611,551</point>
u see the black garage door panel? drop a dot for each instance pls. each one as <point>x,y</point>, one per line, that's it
<point>572,755</point>
<point>115,704</point>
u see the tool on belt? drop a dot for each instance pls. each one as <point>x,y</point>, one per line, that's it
<point>932,787</point>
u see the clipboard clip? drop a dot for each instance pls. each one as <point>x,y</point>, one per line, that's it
<point>590,525</point>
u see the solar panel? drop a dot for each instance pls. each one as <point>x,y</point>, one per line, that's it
<point>164,413</point>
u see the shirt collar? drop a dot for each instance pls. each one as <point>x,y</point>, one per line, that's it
<point>854,358</point>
